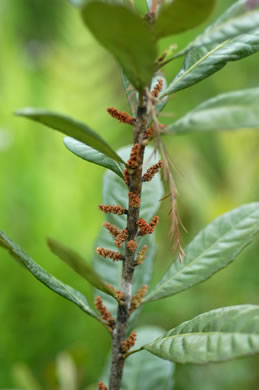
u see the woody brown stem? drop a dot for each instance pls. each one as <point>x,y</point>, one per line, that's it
<point>135,186</point>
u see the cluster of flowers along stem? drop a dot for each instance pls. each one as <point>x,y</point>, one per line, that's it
<point>121,236</point>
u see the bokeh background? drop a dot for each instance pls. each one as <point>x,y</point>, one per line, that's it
<point>48,59</point>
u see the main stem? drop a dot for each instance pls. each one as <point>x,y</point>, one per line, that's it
<point>135,185</point>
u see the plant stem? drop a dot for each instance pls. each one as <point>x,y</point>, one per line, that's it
<point>135,185</point>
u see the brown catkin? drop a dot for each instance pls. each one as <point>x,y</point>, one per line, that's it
<point>101,386</point>
<point>150,132</point>
<point>148,176</point>
<point>134,159</point>
<point>115,256</point>
<point>132,245</point>
<point>134,200</point>
<point>137,299</point>
<point>111,228</point>
<point>119,210</point>
<point>105,314</point>
<point>118,293</point>
<point>121,237</point>
<point>141,255</point>
<point>126,176</point>
<point>123,117</point>
<point>158,88</point>
<point>129,343</point>
<point>144,227</point>
<point>154,222</point>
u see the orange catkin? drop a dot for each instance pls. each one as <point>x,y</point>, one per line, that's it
<point>126,176</point>
<point>158,88</point>
<point>115,256</point>
<point>132,245</point>
<point>111,228</point>
<point>134,159</point>
<point>129,343</point>
<point>118,293</point>
<point>105,314</point>
<point>123,117</point>
<point>144,227</point>
<point>119,210</point>
<point>101,386</point>
<point>148,176</point>
<point>137,299</point>
<point>134,200</point>
<point>121,237</point>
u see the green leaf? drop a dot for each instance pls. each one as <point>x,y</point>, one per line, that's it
<point>116,192</point>
<point>222,334</point>
<point>238,19</point>
<point>89,154</point>
<point>228,111</point>
<point>70,127</point>
<point>181,15</point>
<point>79,265</point>
<point>203,61</point>
<point>154,374</point>
<point>125,35</point>
<point>44,277</point>
<point>211,250</point>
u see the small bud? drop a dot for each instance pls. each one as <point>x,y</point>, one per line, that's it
<point>132,245</point>
<point>158,88</point>
<point>141,255</point>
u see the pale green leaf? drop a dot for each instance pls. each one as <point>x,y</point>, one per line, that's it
<point>228,111</point>
<point>125,35</point>
<point>203,61</point>
<point>79,265</point>
<point>212,249</point>
<point>44,277</point>
<point>238,19</point>
<point>92,155</point>
<point>70,127</point>
<point>222,334</point>
<point>181,15</point>
<point>116,192</point>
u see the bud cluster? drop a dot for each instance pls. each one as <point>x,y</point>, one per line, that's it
<point>129,343</point>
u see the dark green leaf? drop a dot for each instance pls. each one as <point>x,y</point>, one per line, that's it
<point>203,61</point>
<point>211,250</point>
<point>238,19</point>
<point>228,111</point>
<point>116,192</point>
<point>71,127</point>
<point>125,35</point>
<point>89,154</point>
<point>44,277</point>
<point>153,374</point>
<point>79,265</point>
<point>222,334</point>
<point>181,15</point>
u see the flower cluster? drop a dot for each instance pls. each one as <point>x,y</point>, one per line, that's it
<point>132,245</point>
<point>118,293</point>
<point>134,200</point>
<point>145,228</point>
<point>101,386</point>
<point>158,88</point>
<point>141,255</point>
<point>121,237</point>
<point>134,159</point>
<point>119,210</point>
<point>105,314</point>
<point>126,176</point>
<point>111,228</point>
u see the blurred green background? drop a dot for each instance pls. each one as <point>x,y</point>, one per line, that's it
<point>48,59</point>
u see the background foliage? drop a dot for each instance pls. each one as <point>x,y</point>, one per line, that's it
<point>50,60</point>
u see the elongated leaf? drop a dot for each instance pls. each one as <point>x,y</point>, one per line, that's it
<point>228,111</point>
<point>116,192</point>
<point>218,335</point>
<point>239,19</point>
<point>203,61</point>
<point>71,127</point>
<point>44,277</point>
<point>92,155</point>
<point>154,373</point>
<point>211,250</point>
<point>79,265</point>
<point>125,35</point>
<point>181,15</point>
